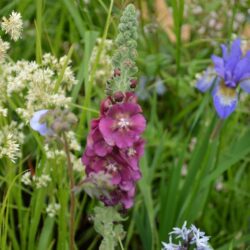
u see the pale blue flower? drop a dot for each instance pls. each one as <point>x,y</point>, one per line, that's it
<point>40,127</point>
<point>188,238</point>
<point>181,232</point>
<point>160,87</point>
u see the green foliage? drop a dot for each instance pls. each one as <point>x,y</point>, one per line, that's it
<point>207,185</point>
<point>107,223</point>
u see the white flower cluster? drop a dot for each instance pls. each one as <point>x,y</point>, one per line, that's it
<point>11,138</point>
<point>53,209</point>
<point>77,164</point>
<point>187,237</point>
<point>26,178</point>
<point>73,143</point>
<point>36,85</point>
<point>53,153</point>
<point>211,22</point>
<point>59,154</point>
<point>104,67</point>
<point>4,46</point>
<point>41,181</point>
<point>13,25</point>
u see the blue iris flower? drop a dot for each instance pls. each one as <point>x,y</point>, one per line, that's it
<point>230,70</point>
<point>40,127</point>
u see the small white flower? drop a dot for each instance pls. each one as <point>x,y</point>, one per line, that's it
<point>13,25</point>
<point>197,10</point>
<point>10,147</point>
<point>4,46</point>
<point>3,111</point>
<point>41,181</point>
<point>77,164</point>
<point>240,17</point>
<point>74,145</point>
<point>52,209</point>
<point>26,178</point>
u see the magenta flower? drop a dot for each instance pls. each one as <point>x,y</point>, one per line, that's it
<point>95,140</point>
<point>132,154</point>
<point>121,177</point>
<point>114,147</point>
<point>123,125</point>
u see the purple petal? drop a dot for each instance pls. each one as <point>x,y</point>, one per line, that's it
<point>40,127</point>
<point>242,69</point>
<point>126,185</point>
<point>106,127</point>
<point>205,82</point>
<point>138,123</point>
<point>245,85</point>
<point>124,139</point>
<point>218,65</point>
<point>116,178</point>
<point>98,164</point>
<point>127,202</point>
<point>101,148</point>
<point>224,52</point>
<point>129,108</point>
<point>131,192</point>
<point>225,101</point>
<point>234,56</point>
<point>136,175</point>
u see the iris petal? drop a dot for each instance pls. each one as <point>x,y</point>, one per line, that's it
<point>207,79</point>
<point>224,52</point>
<point>225,101</point>
<point>234,56</point>
<point>245,85</point>
<point>218,65</point>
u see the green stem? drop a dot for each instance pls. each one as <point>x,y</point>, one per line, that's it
<point>91,79</point>
<point>120,243</point>
<point>72,197</point>
<point>216,129</point>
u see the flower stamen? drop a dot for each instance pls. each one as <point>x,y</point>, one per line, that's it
<point>123,123</point>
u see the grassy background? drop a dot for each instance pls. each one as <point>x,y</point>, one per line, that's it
<point>165,197</point>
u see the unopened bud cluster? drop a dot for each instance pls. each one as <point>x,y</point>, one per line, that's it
<point>124,58</point>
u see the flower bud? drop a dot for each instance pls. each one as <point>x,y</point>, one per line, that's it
<point>133,83</point>
<point>117,72</point>
<point>118,96</point>
<point>71,118</point>
<point>105,105</point>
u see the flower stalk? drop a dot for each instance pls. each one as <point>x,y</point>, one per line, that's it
<point>114,144</point>
<point>72,197</point>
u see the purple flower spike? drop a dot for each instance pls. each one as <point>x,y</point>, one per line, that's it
<point>232,69</point>
<point>114,148</point>
<point>40,127</point>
